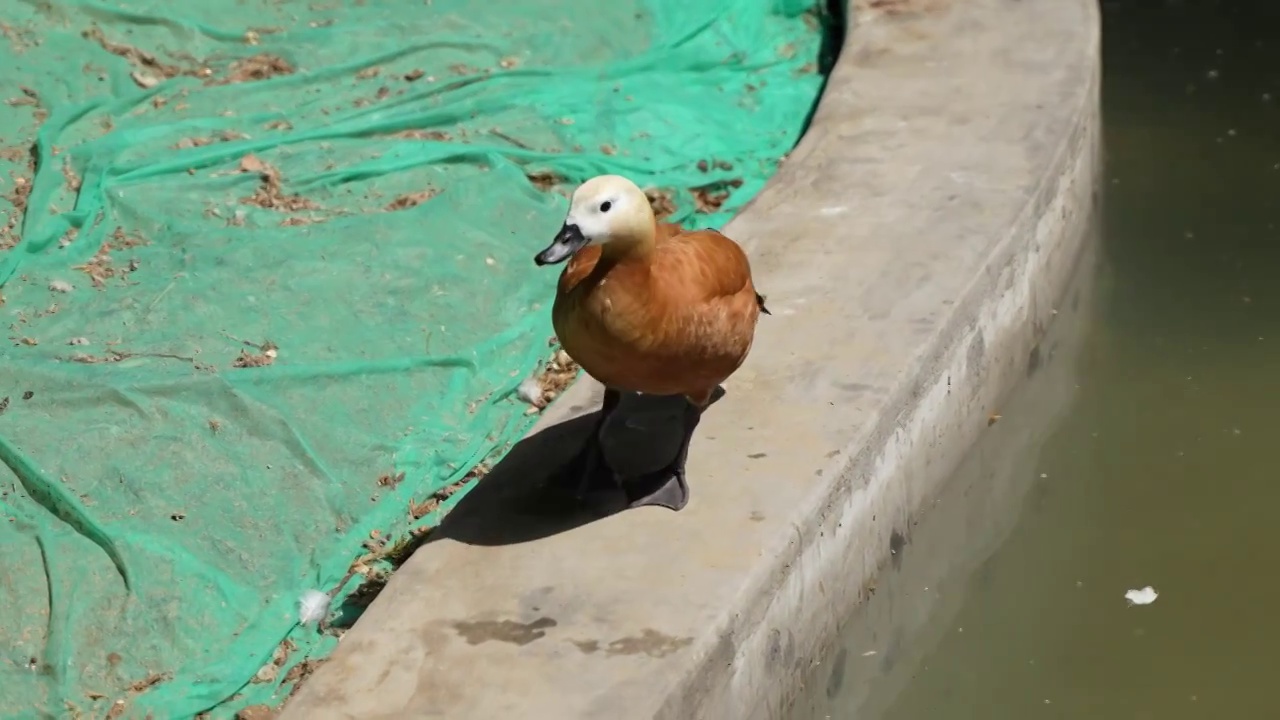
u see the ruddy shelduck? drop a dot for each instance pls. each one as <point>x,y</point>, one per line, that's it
<point>647,307</point>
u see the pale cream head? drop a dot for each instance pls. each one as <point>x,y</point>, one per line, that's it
<point>610,207</point>
<point>604,209</point>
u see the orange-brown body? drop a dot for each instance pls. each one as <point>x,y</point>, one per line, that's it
<point>673,317</point>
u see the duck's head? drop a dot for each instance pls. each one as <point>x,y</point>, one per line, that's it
<point>605,209</point>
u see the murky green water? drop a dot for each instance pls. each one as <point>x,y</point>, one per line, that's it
<point>1149,453</point>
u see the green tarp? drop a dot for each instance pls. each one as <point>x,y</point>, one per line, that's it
<point>273,290</point>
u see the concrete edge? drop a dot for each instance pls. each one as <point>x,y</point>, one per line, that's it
<point>890,458</point>
<point>921,591</point>
<point>899,465</point>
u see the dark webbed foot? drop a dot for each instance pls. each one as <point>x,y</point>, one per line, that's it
<point>667,487</point>
<point>588,471</point>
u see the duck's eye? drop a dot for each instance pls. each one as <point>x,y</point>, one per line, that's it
<point>604,206</point>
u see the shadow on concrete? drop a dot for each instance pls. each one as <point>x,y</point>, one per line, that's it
<point>518,500</point>
<point>524,498</point>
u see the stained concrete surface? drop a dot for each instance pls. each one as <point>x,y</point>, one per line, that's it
<point>912,249</point>
<point>887,639</point>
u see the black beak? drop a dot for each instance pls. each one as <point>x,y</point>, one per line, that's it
<point>567,242</point>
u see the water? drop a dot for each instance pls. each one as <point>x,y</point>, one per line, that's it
<point>1146,453</point>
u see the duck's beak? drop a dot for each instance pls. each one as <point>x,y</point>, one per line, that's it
<point>567,242</point>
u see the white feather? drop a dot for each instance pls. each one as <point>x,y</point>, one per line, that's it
<point>313,607</point>
<point>530,391</point>
<point>1145,596</point>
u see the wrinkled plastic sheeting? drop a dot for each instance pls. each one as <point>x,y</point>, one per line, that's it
<point>275,251</point>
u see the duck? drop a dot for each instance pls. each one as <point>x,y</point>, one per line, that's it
<point>651,308</point>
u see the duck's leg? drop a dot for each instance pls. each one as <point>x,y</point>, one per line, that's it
<point>667,487</point>
<point>588,469</point>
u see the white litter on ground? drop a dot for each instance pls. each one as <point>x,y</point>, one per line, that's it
<point>1145,596</point>
<point>313,607</point>
<point>530,391</point>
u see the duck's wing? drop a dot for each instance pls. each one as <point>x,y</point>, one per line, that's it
<point>703,307</point>
<point>704,266</point>
<point>713,238</point>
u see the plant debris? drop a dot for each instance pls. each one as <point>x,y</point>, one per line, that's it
<point>549,382</point>
<point>508,138</point>
<point>390,480</point>
<point>375,578</point>
<point>544,180</point>
<point>17,197</point>
<point>72,178</point>
<point>435,135</point>
<point>262,66</point>
<point>266,355</point>
<point>144,80</point>
<point>417,510</point>
<point>121,240</point>
<point>112,356</point>
<point>148,65</point>
<point>394,554</point>
<point>256,712</point>
<point>115,356</point>
<point>295,676</point>
<point>100,267</point>
<point>279,657</point>
<point>270,194</point>
<point>302,671</point>
<point>663,202</point>
<point>19,39</point>
<point>195,142</point>
<point>28,97</point>
<point>409,200</point>
<point>710,198</point>
<point>149,682</point>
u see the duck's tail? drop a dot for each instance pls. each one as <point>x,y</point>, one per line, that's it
<point>760,304</point>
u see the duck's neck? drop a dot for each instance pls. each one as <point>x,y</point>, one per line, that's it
<point>632,246</point>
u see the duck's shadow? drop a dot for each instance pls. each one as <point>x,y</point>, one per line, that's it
<point>522,498</point>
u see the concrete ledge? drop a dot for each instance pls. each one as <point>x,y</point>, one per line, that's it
<point>997,487</point>
<point>912,250</point>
